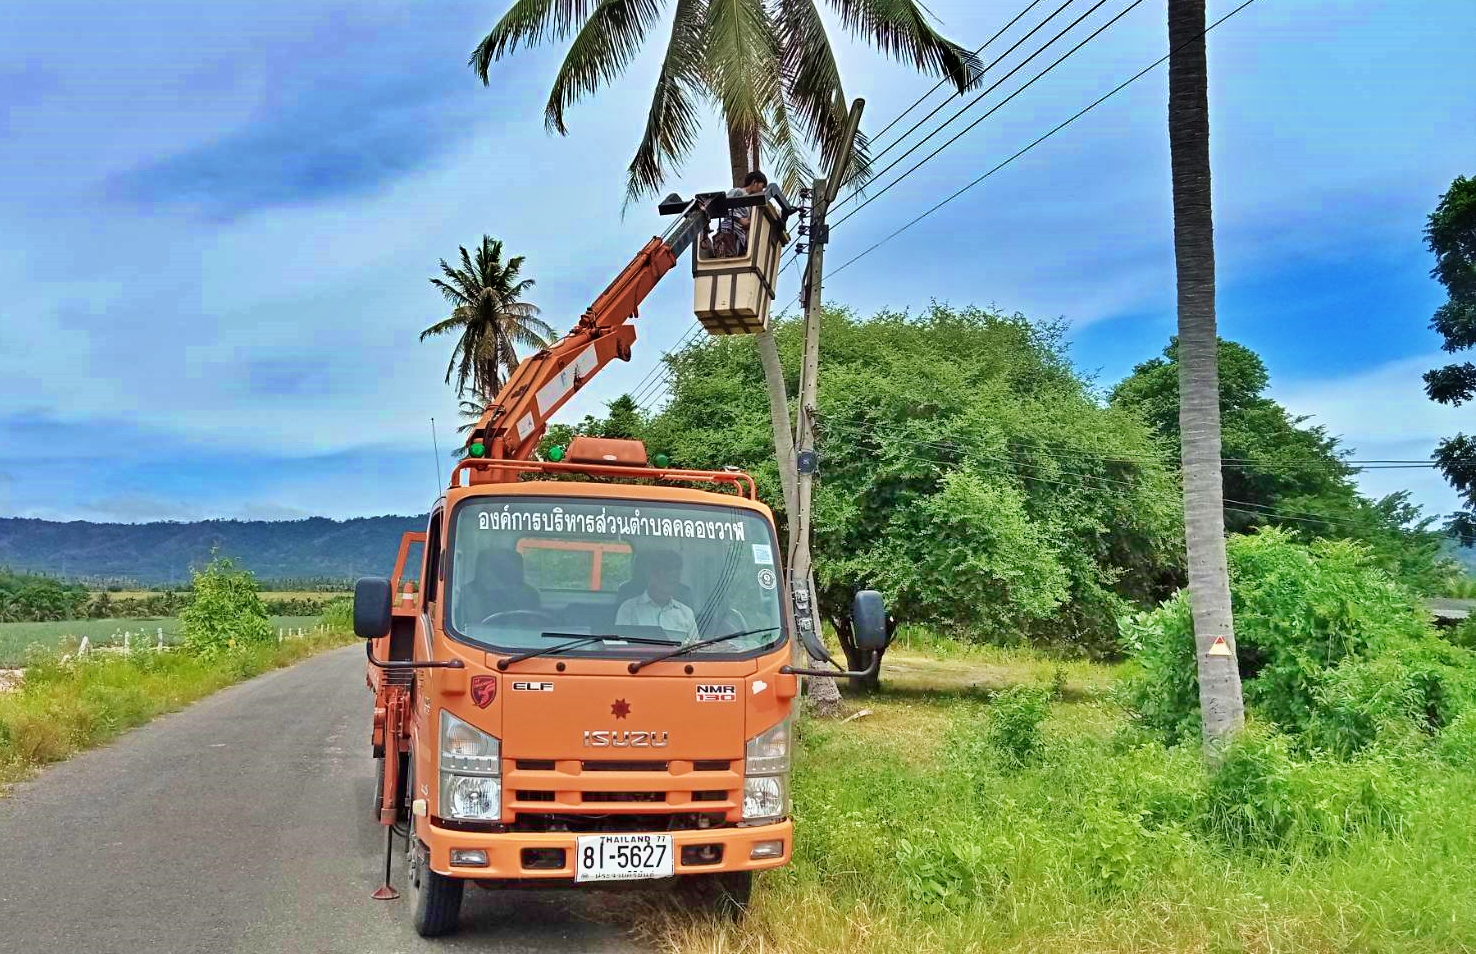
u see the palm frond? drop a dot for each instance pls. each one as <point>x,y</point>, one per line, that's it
<point>812,86</point>
<point>900,29</point>
<point>787,164</point>
<point>457,320</point>
<point>529,22</point>
<point>673,121</point>
<point>743,67</point>
<point>601,51</point>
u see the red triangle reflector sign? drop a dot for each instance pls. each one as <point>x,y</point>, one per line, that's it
<point>1219,647</point>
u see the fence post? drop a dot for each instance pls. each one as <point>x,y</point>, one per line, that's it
<point>127,641</point>
<point>83,647</point>
<point>160,633</point>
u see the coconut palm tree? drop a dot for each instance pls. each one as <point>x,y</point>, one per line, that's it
<point>1221,706</point>
<point>488,313</point>
<point>766,66</point>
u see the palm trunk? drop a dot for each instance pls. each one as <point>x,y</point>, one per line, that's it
<point>1221,706</point>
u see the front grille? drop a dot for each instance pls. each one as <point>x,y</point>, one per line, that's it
<point>586,824</point>
<point>536,765</point>
<point>712,796</point>
<point>524,795</point>
<point>628,766</point>
<point>624,797</point>
<point>712,765</point>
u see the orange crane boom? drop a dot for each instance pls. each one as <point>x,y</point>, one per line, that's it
<point>513,423</point>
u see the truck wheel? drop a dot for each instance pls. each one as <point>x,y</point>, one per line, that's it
<point>437,898</point>
<point>726,893</point>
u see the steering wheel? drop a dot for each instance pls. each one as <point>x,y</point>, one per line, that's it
<point>525,614</point>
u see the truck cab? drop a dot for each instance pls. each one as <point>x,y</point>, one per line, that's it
<point>597,683</point>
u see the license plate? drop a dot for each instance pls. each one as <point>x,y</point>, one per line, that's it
<point>622,857</point>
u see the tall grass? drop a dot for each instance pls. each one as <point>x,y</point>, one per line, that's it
<point>963,819</point>
<point>63,707</point>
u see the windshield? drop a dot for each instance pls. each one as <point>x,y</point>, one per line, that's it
<point>522,567</point>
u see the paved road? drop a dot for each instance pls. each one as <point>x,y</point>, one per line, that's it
<point>240,825</point>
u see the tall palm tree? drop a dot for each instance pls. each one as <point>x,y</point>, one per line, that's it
<point>1221,706</point>
<point>490,317</point>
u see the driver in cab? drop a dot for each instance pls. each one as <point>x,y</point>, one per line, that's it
<point>658,605</point>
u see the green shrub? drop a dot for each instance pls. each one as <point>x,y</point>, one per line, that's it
<point>1330,648</point>
<point>339,615</point>
<point>1015,715</point>
<point>226,613</point>
<point>1248,800</point>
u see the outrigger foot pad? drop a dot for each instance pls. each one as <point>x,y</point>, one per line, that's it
<point>384,892</point>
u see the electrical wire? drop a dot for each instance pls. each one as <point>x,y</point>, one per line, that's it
<point>943,82</point>
<point>996,85</point>
<point>1091,106</point>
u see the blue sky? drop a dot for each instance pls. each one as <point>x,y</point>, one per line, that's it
<point>217,221</point>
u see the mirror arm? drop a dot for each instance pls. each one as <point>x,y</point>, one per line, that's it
<point>404,664</point>
<point>869,671</point>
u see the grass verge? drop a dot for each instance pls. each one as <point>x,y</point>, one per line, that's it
<point>16,639</point>
<point>62,708</point>
<point>989,804</point>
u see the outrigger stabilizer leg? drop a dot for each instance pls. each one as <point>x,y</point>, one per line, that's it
<point>385,892</point>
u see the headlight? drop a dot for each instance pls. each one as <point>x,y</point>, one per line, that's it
<point>471,796</point>
<point>765,797</point>
<point>471,761</point>
<point>467,749</point>
<point>768,753</point>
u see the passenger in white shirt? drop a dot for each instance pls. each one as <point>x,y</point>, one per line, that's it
<point>658,606</point>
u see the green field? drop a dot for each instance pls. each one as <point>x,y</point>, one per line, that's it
<point>16,637</point>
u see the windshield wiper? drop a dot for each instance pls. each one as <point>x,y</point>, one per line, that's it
<point>640,664</point>
<point>580,639</point>
<point>638,640</point>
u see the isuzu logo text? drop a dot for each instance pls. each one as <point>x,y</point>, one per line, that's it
<point>621,739</point>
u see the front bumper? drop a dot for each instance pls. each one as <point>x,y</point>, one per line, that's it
<point>505,850</point>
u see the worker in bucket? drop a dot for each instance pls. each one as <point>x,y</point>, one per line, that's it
<point>732,231</point>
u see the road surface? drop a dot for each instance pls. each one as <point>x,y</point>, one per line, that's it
<point>240,824</point>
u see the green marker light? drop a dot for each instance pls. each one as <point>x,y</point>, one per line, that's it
<point>477,449</point>
<point>661,460</point>
<point>555,454</point>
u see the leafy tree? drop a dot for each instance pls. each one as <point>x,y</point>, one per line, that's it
<point>226,613</point>
<point>1451,235</point>
<point>1279,471</point>
<point>490,317</point>
<point>967,472</point>
<point>1199,410</point>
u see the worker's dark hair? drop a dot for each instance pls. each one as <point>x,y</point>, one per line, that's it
<point>669,560</point>
<point>756,176</point>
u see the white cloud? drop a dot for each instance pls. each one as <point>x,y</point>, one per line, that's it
<point>1383,414</point>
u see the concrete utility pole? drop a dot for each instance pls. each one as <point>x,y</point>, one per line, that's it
<point>823,691</point>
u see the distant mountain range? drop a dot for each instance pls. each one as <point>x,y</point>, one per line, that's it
<point>162,553</point>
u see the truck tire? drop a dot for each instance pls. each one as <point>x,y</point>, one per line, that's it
<point>437,898</point>
<point>726,893</point>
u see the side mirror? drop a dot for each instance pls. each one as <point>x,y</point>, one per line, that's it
<point>869,621</point>
<point>372,599</point>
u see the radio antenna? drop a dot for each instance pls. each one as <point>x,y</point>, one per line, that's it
<point>436,445</point>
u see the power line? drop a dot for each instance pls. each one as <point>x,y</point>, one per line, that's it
<point>996,108</point>
<point>1113,92</point>
<point>942,82</point>
<point>993,63</point>
<point>998,83</point>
